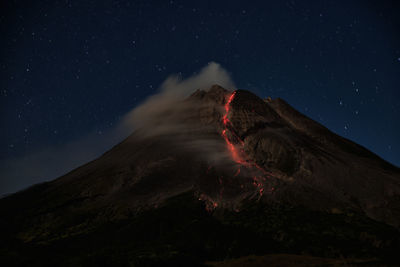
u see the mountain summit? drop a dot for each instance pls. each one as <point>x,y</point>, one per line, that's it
<point>218,175</point>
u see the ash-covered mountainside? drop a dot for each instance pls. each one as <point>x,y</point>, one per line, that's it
<point>227,154</point>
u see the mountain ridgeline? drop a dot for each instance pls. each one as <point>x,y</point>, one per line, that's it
<point>219,175</point>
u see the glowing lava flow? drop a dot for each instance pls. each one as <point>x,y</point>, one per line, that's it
<point>238,155</point>
<point>227,107</point>
<point>235,147</point>
<point>225,120</point>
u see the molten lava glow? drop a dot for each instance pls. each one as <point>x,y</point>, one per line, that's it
<point>232,148</point>
<point>235,153</point>
<point>259,183</point>
<point>238,155</point>
<point>235,147</point>
<point>237,172</point>
<point>227,106</point>
<point>210,204</point>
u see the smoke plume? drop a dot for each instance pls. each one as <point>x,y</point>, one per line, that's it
<point>165,114</point>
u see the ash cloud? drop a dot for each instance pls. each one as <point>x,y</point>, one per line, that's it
<point>172,92</point>
<point>175,118</point>
<point>164,114</point>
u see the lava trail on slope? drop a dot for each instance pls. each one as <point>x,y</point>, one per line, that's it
<point>235,146</point>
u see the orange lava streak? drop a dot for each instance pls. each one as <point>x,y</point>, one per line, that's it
<point>239,156</point>
<point>227,106</point>
<point>231,147</point>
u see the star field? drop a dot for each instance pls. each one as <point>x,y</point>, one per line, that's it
<point>73,68</point>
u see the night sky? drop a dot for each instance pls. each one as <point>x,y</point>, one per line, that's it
<point>73,69</point>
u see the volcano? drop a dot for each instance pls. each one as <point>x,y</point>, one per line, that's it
<point>222,178</point>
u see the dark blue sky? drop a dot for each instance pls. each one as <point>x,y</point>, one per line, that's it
<point>73,68</point>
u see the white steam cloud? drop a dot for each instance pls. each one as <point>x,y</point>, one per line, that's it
<point>52,162</point>
<point>173,91</point>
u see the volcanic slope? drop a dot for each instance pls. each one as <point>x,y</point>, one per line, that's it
<point>219,175</point>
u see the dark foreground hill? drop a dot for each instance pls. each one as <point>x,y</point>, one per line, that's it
<point>220,175</point>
